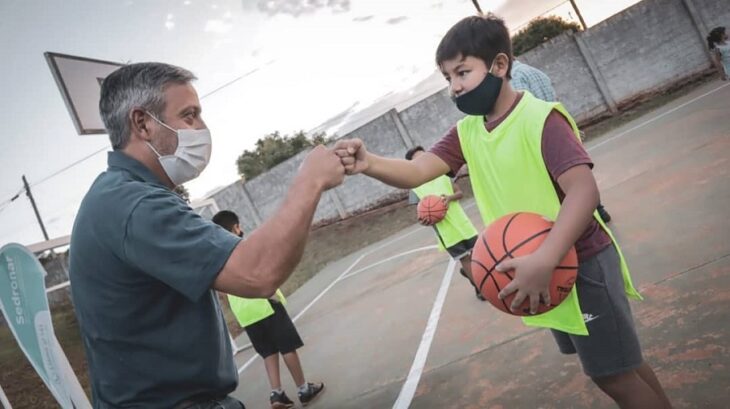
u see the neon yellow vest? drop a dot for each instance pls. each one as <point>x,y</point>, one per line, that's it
<point>508,174</point>
<point>252,310</point>
<point>456,226</point>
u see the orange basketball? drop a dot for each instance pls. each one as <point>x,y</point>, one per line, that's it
<point>511,236</point>
<point>432,208</point>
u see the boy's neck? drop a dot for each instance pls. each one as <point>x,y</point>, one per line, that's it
<point>505,101</point>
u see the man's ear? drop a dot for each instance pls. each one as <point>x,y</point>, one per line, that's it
<point>138,120</point>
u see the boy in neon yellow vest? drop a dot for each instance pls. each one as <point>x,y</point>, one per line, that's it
<point>456,234</point>
<point>524,154</point>
<point>271,332</point>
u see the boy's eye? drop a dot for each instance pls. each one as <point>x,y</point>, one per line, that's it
<point>462,73</point>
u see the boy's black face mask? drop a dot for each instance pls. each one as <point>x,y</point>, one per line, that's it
<point>481,99</point>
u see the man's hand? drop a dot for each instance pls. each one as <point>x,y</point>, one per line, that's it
<point>352,154</point>
<point>323,167</point>
<point>532,275</point>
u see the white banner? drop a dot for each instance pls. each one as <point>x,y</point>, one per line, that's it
<point>25,308</point>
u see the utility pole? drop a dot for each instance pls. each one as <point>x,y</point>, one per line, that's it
<point>35,208</point>
<point>476,4</point>
<point>580,16</point>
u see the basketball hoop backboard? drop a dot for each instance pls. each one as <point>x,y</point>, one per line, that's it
<point>79,80</point>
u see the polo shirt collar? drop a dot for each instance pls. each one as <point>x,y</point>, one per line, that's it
<point>119,159</point>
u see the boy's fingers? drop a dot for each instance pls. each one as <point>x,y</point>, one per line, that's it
<point>506,265</point>
<point>545,297</point>
<point>347,160</point>
<point>518,300</point>
<point>534,302</point>
<point>507,290</point>
<point>343,153</point>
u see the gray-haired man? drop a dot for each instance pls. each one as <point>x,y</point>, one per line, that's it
<point>144,266</point>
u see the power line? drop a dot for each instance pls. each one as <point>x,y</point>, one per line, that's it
<point>253,71</point>
<point>69,166</point>
<point>7,202</point>
<point>230,82</point>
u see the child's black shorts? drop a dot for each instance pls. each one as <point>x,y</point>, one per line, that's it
<point>462,248</point>
<point>275,333</point>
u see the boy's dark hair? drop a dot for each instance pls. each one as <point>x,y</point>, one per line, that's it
<point>482,37</point>
<point>226,219</point>
<point>413,150</point>
<point>715,36</point>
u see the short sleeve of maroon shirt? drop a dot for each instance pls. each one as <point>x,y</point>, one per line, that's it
<point>561,150</point>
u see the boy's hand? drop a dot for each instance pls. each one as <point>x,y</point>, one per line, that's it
<point>353,155</point>
<point>323,167</point>
<point>447,199</point>
<point>425,222</point>
<point>532,275</point>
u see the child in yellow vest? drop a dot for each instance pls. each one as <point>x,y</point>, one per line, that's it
<point>456,234</point>
<point>271,332</point>
<point>524,155</point>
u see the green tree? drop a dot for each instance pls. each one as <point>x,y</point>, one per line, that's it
<point>274,149</point>
<point>539,31</point>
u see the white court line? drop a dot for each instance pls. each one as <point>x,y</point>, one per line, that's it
<point>657,117</point>
<point>387,243</point>
<point>405,253</point>
<point>58,286</point>
<point>250,361</point>
<point>408,391</point>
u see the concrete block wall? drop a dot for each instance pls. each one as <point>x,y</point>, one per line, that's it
<point>381,136</point>
<point>647,46</point>
<point>574,83</point>
<point>713,13</point>
<point>431,118</point>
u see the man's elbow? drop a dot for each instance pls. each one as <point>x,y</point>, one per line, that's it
<point>263,287</point>
<point>268,291</point>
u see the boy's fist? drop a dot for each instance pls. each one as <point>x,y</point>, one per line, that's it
<point>352,154</point>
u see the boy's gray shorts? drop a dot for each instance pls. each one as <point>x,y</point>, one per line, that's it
<point>612,346</point>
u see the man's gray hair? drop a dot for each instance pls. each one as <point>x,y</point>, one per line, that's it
<point>133,86</point>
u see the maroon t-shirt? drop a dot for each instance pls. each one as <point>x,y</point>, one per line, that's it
<point>561,150</point>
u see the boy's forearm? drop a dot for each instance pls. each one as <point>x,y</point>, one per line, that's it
<point>406,174</point>
<point>455,196</point>
<point>394,172</point>
<point>575,214</point>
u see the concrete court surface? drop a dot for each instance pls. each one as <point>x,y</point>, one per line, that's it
<point>664,177</point>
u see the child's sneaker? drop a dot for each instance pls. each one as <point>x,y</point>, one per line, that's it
<point>280,400</point>
<point>313,390</point>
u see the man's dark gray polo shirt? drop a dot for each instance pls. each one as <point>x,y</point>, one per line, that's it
<point>141,268</point>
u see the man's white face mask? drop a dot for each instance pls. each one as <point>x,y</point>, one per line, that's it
<point>191,156</point>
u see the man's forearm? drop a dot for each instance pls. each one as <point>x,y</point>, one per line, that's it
<point>272,252</point>
<point>290,227</point>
